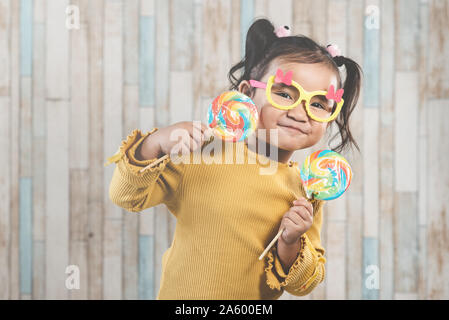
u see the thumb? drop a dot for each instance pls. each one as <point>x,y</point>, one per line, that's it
<point>284,234</point>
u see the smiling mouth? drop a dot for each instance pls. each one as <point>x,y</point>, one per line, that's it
<point>292,129</point>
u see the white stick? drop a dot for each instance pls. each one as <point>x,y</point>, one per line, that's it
<point>271,244</point>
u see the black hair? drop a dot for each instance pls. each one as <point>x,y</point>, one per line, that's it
<point>263,46</point>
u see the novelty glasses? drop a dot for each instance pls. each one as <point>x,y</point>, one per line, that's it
<point>284,93</point>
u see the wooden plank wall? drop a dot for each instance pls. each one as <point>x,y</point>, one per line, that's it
<point>68,97</point>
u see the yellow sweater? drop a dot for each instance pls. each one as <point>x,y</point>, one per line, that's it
<point>226,215</point>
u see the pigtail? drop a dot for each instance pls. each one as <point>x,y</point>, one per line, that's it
<point>351,94</point>
<point>259,38</point>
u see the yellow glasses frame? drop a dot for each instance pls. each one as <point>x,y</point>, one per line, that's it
<point>303,95</point>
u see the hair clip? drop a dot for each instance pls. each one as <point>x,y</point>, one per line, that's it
<point>283,31</point>
<point>281,78</point>
<point>333,50</point>
<point>334,95</point>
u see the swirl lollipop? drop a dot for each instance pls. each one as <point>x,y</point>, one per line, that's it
<point>233,116</point>
<point>325,175</point>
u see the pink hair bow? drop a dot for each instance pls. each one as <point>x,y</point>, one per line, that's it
<point>281,78</point>
<point>283,31</point>
<point>332,95</point>
<point>333,50</point>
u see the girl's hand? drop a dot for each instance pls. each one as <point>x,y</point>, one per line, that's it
<point>296,221</point>
<point>187,136</point>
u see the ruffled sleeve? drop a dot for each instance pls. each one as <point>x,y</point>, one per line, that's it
<point>308,270</point>
<point>134,190</point>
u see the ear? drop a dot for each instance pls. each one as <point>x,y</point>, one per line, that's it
<point>245,88</point>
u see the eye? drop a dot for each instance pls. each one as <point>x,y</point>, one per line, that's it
<point>318,105</point>
<point>284,95</point>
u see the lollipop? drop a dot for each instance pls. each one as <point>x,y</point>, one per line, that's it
<point>326,175</point>
<point>233,116</point>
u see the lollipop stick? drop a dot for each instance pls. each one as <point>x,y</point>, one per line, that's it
<point>152,164</point>
<point>271,244</point>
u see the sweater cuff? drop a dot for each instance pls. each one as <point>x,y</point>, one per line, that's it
<point>131,145</point>
<point>300,274</point>
<point>126,160</point>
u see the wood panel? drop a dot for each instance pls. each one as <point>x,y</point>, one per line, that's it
<point>371,98</point>
<point>146,55</point>
<point>112,119</point>
<point>39,132</point>
<point>438,73</point>
<point>79,181</point>
<point>386,147</point>
<point>5,48</point>
<point>423,148</point>
<point>130,229</point>
<point>5,140</point>
<point>437,214</point>
<point>69,97</point>
<point>14,122</point>
<point>57,200</point>
<point>95,20</point>
<point>354,205</point>
<point>406,128</point>
<point>79,150</point>
<point>5,222</point>
<point>57,50</point>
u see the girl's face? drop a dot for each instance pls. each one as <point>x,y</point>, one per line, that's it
<point>308,132</point>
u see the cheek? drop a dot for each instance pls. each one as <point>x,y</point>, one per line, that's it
<point>268,117</point>
<point>318,129</point>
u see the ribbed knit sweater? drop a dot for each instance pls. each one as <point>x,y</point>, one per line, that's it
<point>226,215</point>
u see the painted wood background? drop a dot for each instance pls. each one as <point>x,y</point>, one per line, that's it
<point>69,96</point>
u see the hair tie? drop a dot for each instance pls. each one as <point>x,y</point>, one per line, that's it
<point>335,53</point>
<point>333,50</point>
<point>283,31</point>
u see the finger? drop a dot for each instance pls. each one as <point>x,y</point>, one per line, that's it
<point>291,228</point>
<point>294,216</point>
<point>204,127</point>
<point>305,203</point>
<point>199,125</point>
<point>197,135</point>
<point>193,144</point>
<point>293,219</point>
<point>208,133</point>
<point>302,212</point>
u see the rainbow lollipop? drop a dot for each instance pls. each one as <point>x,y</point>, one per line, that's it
<point>326,175</point>
<point>233,116</point>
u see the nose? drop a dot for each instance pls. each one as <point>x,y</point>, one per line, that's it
<point>299,112</point>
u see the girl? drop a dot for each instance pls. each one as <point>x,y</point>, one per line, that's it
<point>227,214</point>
